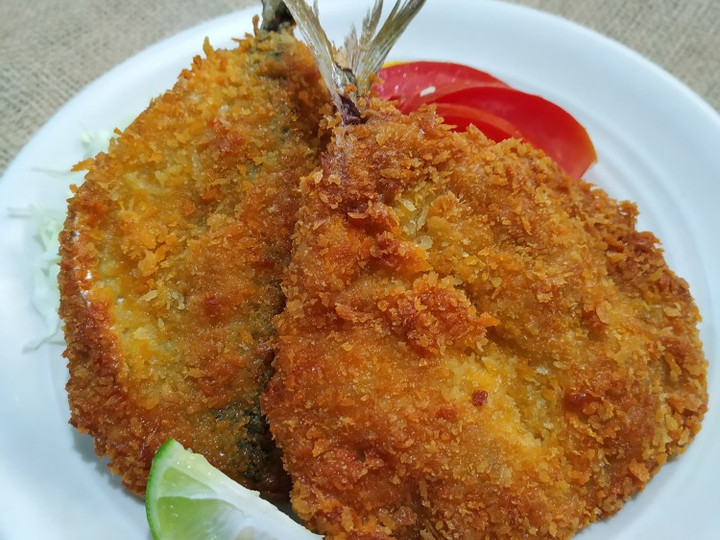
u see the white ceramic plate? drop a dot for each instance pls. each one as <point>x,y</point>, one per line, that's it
<point>658,144</point>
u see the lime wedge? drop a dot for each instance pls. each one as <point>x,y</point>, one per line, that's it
<point>189,499</point>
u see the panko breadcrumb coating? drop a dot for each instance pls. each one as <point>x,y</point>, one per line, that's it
<point>172,255</point>
<point>474,345</point>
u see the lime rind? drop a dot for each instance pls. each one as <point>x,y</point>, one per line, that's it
<point>189,499</point>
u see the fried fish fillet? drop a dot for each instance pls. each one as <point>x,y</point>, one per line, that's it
<point>172,254</point>
<point>474,345</point>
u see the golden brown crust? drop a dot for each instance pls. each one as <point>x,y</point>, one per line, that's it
<point>473,345</point>
<point>171,259</point>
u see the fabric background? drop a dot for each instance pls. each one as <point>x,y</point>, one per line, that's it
<point>50,49</point>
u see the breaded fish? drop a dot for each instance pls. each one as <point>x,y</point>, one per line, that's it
<point>172,254</point>
<point>474,345</point>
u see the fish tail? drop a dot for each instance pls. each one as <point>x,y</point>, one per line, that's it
<point>347,71</point>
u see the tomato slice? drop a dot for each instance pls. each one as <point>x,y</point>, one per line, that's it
<point>461,116</point>
<point>408,80</point>
<point>431,94</point>
<point>465,95</point>
<point>541,123</point>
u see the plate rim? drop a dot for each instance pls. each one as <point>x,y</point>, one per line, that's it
<point>223,21</point>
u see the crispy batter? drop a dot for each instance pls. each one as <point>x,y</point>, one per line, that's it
<point>474,345</point>
<point>172,254</point>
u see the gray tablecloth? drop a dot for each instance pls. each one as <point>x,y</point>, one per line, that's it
<point>50,49</point>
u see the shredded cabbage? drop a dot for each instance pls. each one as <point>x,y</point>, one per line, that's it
<point>95,142</point>
<point>48,222</point>
<point>45,294</point>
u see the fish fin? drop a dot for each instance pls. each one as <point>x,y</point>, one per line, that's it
<point>348,71</point>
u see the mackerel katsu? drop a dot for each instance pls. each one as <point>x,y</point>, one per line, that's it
<point>474,344</point>
<point>172,255</point>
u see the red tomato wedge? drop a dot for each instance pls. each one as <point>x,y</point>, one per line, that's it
<point>461,116</point>
<point>464,95</point>
<point>542,123</point>
<point>406,81</point>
